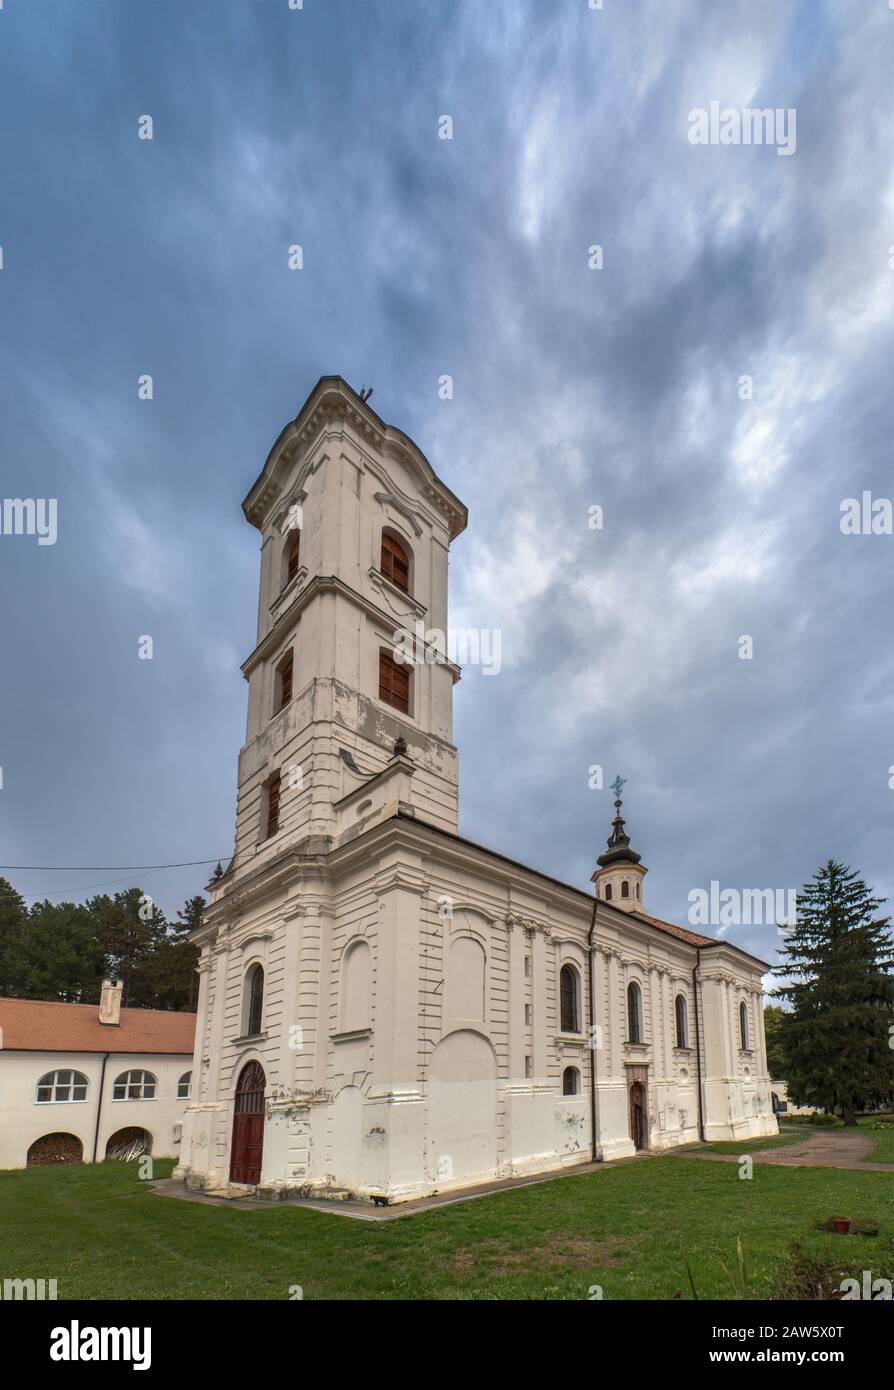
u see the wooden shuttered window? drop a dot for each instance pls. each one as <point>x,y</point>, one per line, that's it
<point>394,682</point>
<point>395,563</point>
<point>293,561</point>
<point>284,671</point>
<point>273,805</point>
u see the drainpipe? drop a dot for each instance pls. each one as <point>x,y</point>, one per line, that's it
<point>590,1035</point>
<point>102,1078</point>
<point>698,1043</point>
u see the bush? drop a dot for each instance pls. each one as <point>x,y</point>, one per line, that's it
<point>820,1118</point>
<point>806,1276</point>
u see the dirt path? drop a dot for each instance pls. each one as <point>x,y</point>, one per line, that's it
<point>828,1148</point>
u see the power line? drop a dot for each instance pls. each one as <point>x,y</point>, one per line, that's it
<point>107,868</point>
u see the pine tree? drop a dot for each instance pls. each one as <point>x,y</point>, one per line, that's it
<point>129,929</point>
<point>13,915</point>
<point>57,956</point>
<point>174,960</point>
<point>834,1036</point>
<point>773,1015</point>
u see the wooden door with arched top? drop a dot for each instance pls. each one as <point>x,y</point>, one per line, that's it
<point>638,1130</point>
<point>248,1125</point>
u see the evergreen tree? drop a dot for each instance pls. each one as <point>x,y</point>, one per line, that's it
<point>174,960</point>
<point>775,1057</point>
<point>834,1036</point>
<point>57,955</point>
<point>129,930</point>
<point>13,915</point>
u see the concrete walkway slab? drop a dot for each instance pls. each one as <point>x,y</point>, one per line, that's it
<point>365,1211</point>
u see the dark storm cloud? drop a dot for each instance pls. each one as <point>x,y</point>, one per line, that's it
<point>572,388</point>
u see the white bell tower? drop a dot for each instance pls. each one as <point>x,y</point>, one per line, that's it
<point>355,528</point>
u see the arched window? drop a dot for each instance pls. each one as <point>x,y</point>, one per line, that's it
<point>283,682</point>
<point>293,556</point>
<point>272,797</point>
<point>637,887</point>
<point>254,993</point>
<point>743,1026</point>
<point>395,562</point>
<point>570,1081</point>
<point>634,1013</point>
<point>680,1016</point>
<point>183,1086</point>
<point>394,682</point>
<point>625,889</point>
<point>569,997</point>
<point>57,1086</point>
<point>134,1085</point>
<point>608,892</point>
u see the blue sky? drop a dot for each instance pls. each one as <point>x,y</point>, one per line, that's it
<point>572,388</point>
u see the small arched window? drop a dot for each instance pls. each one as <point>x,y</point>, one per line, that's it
<point>284,681</point>
<point>394,682</point>
<point>634,1013</point>
<point>625,889</point>
<point>254,991</point>
<point>293,556</point>
<point>608,892</point>
<point>570,1081</point>
<point>680,1018</point>
<point>272,797</point>
<point>395,562</point>
<point>59,1086</point>
<point>637,888</point>
<point>183,1086</point>
<point>743,1026</point>
<point>569,996</point>
<point>134,1085</point>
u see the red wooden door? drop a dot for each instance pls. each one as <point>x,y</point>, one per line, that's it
<point>637,1115</point>
<point>248,1125</point>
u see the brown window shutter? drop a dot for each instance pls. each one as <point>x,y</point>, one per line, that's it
<point>394,682</point>
<point>285,682</point>
<point>294,557</point>
<point>273,805</point>
<point>395,563</point>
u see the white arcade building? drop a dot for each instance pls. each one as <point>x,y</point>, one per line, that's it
<point>385,1007</point>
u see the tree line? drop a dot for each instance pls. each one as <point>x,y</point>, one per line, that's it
<point>832,1037</point>
<point>63,951</point>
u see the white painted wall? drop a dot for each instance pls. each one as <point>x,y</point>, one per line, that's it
<point>24,1119</point>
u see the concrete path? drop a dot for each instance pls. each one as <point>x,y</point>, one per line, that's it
<point>821,1148</point>
<point>365,1211</point>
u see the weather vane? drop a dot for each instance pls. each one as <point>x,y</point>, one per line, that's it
<point>617,786</point>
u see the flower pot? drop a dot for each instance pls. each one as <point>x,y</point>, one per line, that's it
<point>842,1225</point>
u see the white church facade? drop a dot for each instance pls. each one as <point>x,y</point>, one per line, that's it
<point>386,1008</point>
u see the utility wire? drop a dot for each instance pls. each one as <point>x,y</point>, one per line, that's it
<point>107,868</point>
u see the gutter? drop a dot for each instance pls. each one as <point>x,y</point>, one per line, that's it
<point>698,1042</point>
<point>102,1078</point>
<point>590,1035</point>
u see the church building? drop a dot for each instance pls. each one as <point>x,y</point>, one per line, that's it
<point>386,1008</point>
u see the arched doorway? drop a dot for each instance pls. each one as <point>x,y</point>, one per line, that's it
<point>248,1125</point>
<point>129,1143</point>
<point>638,1130</point>
<point>55,1148</point>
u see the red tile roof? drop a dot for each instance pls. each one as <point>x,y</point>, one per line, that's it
<point>692,937</point>
<point>36,1025</point>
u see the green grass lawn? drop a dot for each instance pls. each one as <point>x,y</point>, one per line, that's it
<point>630,1229</point>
